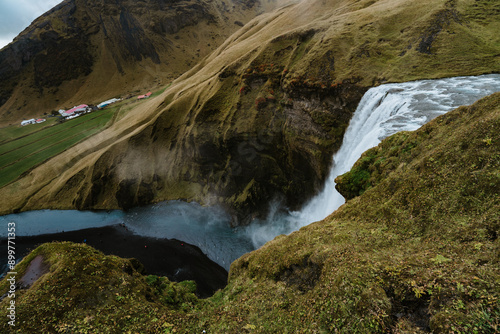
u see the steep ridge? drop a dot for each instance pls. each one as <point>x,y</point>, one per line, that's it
<point>259,119</point>
<point>89,51</point>
<point>417,252</point>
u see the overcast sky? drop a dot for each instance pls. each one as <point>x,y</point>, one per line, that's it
<point>15,15</point>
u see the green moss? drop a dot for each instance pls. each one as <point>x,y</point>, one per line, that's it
<point>179,295</point>
<point>357,180</point>
<point>87,292</point>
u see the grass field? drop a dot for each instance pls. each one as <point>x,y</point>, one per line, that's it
<point>22,148</point>
<point>15,132</point>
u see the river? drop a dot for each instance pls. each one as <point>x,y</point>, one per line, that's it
<point>383,111</point>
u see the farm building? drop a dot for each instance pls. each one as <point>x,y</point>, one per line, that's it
<point>107,103</point>
<point>145,96</point>
<point>83,108</point>
<point>30,121</point>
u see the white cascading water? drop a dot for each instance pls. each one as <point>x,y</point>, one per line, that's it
<point>383,111</point>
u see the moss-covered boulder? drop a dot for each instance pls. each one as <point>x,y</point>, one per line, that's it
<point>80,290</point>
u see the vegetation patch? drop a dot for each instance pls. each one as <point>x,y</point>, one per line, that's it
<point>87,292</point>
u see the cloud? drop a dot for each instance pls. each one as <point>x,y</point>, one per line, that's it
<point>16,15</point>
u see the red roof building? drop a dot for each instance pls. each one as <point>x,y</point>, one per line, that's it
<point>145,96</point>
<point>73,110</point>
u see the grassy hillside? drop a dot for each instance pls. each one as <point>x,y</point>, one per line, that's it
<point>417,252</point>
<point>86,51</point>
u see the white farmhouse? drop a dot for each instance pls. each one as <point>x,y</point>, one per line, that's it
<point>30,121</point>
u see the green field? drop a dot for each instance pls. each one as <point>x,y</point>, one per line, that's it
<point>15,132</point>
<point>22,148</point>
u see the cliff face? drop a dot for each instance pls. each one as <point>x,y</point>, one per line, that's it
<point>276,152</point>
<point>260,117</point>
<point>89,51</point>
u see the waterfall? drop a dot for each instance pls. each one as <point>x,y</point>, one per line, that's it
<point>383,111</point>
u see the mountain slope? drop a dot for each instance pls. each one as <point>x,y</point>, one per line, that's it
<point>89,51</point>
<point>260,118</point>
<point>418,252</point>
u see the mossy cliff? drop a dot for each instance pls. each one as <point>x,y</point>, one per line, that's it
<point>417,252</point>
<point>259,119</point>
